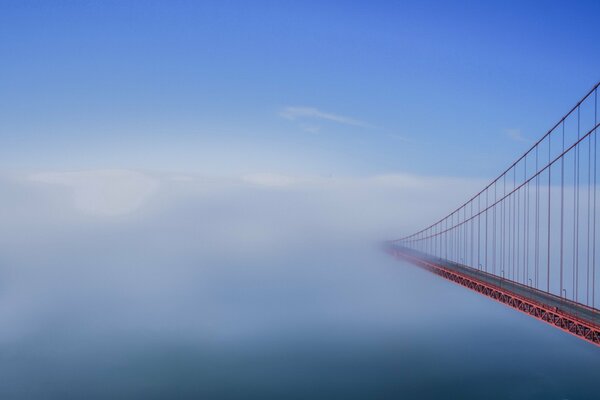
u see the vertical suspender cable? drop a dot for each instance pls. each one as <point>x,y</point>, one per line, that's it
<point>494,233</point>
<point>589,186</point>
<point>594,230</point>
<point>562,210</point>
<point>576,295</point>
<point>537,220</point>
<point>514,236</point>
<point>525,220</point>
<point>549,188</point>
<point>486,230</point>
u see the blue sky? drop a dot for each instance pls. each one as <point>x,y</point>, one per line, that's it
<point>320,88</point>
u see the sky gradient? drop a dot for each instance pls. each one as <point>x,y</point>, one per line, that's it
<point>300,88</point>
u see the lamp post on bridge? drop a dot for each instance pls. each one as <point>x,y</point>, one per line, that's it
<point>565,298</point>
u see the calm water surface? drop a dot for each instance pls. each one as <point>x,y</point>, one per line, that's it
<point>327,325</point>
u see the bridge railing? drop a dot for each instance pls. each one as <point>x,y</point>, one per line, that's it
<point>536,223</point>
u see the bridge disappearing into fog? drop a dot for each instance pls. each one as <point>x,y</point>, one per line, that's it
<point>528,239</point>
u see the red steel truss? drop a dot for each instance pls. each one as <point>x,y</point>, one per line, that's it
<point>551,315</point>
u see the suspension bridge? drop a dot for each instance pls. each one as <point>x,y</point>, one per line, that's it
<point>529,239</point>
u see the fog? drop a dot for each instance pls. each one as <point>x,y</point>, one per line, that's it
<point>144,250</point>
<point>149,283</point>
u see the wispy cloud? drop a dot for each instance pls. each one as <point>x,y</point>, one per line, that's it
<point>269,179</point>
<point>294,113</point>
<point>516,135</point>
<point>400,138</point>
<point>103,192</point>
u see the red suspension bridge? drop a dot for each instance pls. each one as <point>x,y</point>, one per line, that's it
<point>529,239</point>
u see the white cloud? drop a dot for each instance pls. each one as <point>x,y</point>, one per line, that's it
<point>269,179</point>
<point>401,138</point>
<point>205,239</point>
<point>311,128</point>
<point>294,113</point>
<point>517,135</point>
<point>103,192</point>
<point>182,178</point>
<point>371,205</point>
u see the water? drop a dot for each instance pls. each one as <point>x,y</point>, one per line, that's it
<point>205,296</point>
<point>374,328</point>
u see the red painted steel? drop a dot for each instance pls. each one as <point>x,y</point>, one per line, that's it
<point>528,239</point>
<point>551,315</point>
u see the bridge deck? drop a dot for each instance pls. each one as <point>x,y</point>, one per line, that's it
<point>568,306</point>
<point>565,306</point>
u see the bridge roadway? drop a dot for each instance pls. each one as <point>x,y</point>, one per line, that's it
<point>577,310</point>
